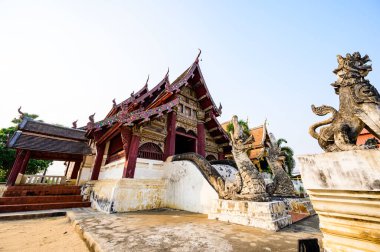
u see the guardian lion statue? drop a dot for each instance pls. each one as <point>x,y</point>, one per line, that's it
<point>359,107</point>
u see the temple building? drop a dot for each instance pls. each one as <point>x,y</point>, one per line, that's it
<point>139,133</point>
<point>261,142</point>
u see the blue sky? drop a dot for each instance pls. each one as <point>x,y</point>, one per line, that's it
<point>65,60</point>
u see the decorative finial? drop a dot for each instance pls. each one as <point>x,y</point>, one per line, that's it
<point>114,103</point>
<point>199,54</point>
<point>75,124</point>
<point>21,113</point>
<point>146,83</point>
<point>91,118</point>
<point>167,74</point>
<point>133,94</point>
<point>220,107</point>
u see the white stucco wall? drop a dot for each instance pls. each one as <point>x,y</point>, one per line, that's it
<point>186,188</point>
<point>112,170</point>
<point>181,187</point>
<point>149,169</point>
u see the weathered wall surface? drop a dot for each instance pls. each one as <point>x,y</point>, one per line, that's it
<point>344,189</point>
<point>125,195</point>
<point>348,170</point>
<point>182,187</point>
<point>186,188</point>
<point>267,215</point>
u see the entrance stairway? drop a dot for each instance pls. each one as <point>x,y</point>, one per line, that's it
<point>41,197</point>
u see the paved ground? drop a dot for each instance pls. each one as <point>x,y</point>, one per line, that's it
<point>45,234</point>
<point>170,230</point>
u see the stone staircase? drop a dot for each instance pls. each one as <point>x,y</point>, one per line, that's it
<point>41,197</point>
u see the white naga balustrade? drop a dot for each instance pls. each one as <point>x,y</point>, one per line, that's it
<point>40,179</point>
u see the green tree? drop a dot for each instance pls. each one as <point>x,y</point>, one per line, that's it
<point>289,153</point>
<point>7,156</point>
<point>243,124</point>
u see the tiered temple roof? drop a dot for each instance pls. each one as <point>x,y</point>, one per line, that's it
<point>146,104</point>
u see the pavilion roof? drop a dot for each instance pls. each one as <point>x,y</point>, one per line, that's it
<point>47,141</point>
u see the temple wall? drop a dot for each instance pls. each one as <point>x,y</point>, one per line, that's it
<point>186,188</point>
<point>149,169</point>
<point>182,187</point>
<point>112,170</point>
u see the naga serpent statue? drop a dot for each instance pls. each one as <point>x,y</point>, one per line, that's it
<point>282,184</point>
<point>253,184</point>
<point>359,107</point>
<point>248,184</point>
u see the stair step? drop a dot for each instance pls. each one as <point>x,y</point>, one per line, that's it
<point>33,187</point>
<point>15,191</point>
<point>42,206</point>
<point>39,199</point>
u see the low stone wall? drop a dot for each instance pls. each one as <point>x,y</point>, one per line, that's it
<point>267,215</point>
<point>344,188</point>
<point>125,195</point>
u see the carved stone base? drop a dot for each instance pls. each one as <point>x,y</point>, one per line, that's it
<point>344,188</point>
<point>267,215</point>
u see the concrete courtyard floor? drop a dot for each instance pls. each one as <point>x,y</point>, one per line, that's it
<point>172,230</point>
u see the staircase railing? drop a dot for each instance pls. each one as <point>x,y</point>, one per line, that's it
<point>40,180</point>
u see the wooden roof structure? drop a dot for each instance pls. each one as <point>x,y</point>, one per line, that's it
<point>51,142</point>
<point>146,104</point>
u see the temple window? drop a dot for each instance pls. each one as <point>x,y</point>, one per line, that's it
<point>188,111</point>
<point>150,151</point>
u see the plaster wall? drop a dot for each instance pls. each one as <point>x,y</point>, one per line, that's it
<point>149,169</point>
<point>112,170</point>
<point>181,187</point>
<point>186,188</point>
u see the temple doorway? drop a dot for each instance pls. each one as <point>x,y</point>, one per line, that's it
<point>184,144</point>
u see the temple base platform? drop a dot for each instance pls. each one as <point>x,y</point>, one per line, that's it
<point>267,215</point>
<point>344,188</point>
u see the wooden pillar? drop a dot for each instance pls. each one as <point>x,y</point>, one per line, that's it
<point>221,156</point>
<point>126,137</point>
<point>20,155</point>
<point>74,173</point>
<point>130,166</point>
<point>25,162</point>
<point>98,161</point>
<point>67,168</point>
<point>170,137</point>
<point>201,133</point>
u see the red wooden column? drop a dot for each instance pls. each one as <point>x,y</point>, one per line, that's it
<point>201,133</point>
<point>25,162</point>
<point>221,154</point>
<point>133,149</point>
<point>98,161</point>
<point>126,137</point>
<point>20,155</point>
<point>170,137</point>
<point>74,173</point>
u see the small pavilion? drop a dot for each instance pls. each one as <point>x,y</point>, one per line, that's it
<point>38,140</point>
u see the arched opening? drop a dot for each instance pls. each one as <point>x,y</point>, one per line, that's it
<point>150,151</point>
<point>210,158</point>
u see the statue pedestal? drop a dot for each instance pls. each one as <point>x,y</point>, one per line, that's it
<point>344,188</point>
<point>267,215</point>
